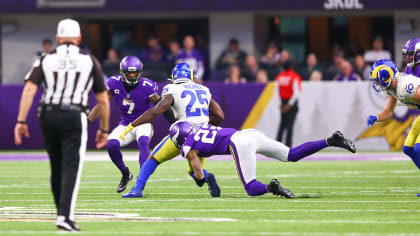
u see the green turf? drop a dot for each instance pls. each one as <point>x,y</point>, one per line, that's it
<point>333,198</point>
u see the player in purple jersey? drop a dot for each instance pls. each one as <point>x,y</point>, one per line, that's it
<point>411,56</point>
<point>207,140</point>
<point>134,95</point>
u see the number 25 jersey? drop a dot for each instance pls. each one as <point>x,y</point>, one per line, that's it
<point>191,102</point>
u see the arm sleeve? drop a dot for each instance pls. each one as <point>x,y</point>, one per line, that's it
<point>98,76</point>
<point>296,91</point>
<point>36,74</point>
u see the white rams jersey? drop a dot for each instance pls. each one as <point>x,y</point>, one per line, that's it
<point>191,102</point>
<point>406,89</point>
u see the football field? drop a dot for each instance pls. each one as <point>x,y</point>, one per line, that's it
<point>354,198</point>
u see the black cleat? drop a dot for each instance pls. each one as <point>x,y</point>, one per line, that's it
<point>124,181</point>
<point>275,188</point>
<point>338,140</point>
<point>213,186</point>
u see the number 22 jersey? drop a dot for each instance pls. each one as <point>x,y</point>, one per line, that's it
<point>134,103</point>
<point>191,102</point>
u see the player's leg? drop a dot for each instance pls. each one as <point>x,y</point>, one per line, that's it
<point>113,147</point>
<point>164,151</point>
<point>411,145</point>
<point>281,152</point>
<point>144,133</point>
<point>282,127</point>
<point>243,151</point>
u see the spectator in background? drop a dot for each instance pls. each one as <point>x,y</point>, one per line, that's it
<point>271,56</point>
<point>334,69</point>
<point>191,56</point>
<point>378,52</point>
<point>289,84</point>
<point>154,52</point>
<point>235,76</point>
<point>174,51</point>
<point>354,49</point>
<point>231,56</point>
<point>251,68</point>
<point>47,45</point>
<point>129,47</point>
<point>262,77</point>
<point>284,56</point>
<point>203,50</point>
<point>346,73</point>
<point>310,66</point>
<point>316,76</point>
<point>111,65</point>
<point>361,68</point>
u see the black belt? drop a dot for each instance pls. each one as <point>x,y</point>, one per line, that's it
<point>69,107</point>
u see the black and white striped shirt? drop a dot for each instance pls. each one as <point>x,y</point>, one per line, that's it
<point>68,74</point>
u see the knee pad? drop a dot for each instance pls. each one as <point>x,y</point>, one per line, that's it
<point>113,144</point>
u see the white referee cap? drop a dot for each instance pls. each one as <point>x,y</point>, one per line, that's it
<point>68,28</point>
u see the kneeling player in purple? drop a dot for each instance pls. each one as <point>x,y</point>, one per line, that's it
<point>134,96</point>
<point>207,140</point>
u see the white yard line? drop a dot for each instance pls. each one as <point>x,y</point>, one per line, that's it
<point>259,233</point>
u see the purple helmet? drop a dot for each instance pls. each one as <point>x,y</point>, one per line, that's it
<point>411,52</point>
<point>130,64</point>
<point>179,132</point>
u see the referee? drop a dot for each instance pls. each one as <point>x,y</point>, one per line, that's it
<point>67,74</point>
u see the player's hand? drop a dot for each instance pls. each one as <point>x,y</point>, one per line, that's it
<point>19,130</point>
<point>101,139</point>
<point>371,120</point>
<point>126,131</point>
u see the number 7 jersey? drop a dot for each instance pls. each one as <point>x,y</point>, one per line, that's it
<point>191,102</point>
<point>134,103</point>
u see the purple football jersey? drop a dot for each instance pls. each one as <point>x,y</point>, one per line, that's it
<point>134,103</point>
<point>208,140</point>
<point>416,72</point>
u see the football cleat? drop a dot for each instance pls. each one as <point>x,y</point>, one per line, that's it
<point>275,188</point>
<point>338,140</point>
<point>66,224</point>
<point>418,195</point>
<point>213,186</point>
<point>134,193</point>
<point>124,181</point>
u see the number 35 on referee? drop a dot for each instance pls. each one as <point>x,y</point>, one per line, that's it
<point>67,74</point>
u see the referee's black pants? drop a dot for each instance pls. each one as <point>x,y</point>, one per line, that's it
<point>65,138</point>
<point>286,124</point>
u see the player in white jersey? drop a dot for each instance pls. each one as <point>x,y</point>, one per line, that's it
<point>190,102</point>
<point>400,87</point>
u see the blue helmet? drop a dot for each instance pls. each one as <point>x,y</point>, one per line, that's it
<point>130,64</point>
<point>382,73</point>
<point>179,132</point>
<point>182,72</point>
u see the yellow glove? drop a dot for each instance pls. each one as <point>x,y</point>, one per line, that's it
<point>126,131</point>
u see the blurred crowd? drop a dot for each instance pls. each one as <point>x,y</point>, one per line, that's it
<point>235,66</point>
